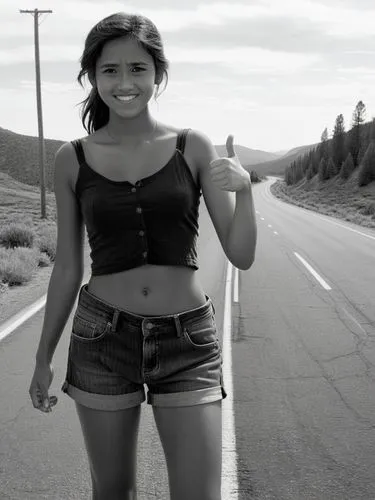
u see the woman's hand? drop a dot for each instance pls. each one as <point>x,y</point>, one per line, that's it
<point>227,173</point>
<point>40,383</point>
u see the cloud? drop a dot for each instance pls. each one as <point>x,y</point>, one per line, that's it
<point>244,60</point>
<point>25,53</point>
<point>240,60</point>
<point>50,87</point>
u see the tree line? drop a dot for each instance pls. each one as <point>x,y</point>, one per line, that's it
<point>340,155</point>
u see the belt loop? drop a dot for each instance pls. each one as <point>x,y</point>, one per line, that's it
<point>114,320</point>
<point>178,325</point>
<point>80,291</point>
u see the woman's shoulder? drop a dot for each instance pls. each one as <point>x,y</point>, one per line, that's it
<point>67,161</point>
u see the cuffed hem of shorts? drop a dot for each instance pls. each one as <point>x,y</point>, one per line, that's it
<point>104,401</point>
<point>187,398</point>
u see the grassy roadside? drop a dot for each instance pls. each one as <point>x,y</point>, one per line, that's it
<point>23,281</point>
<point>24,270</point>
<point>335,197</point>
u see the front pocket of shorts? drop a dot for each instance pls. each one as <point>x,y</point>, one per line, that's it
<point>202,335</point>
<point>89,331</point>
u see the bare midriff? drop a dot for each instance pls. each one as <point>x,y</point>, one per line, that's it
<point>150,290</point>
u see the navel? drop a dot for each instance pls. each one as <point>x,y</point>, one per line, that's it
<point>145,291</point>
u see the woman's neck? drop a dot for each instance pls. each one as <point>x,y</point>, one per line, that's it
<point>131,128</point>
<point>131,132</point>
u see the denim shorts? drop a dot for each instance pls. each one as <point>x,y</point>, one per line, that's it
<point>113,353</point>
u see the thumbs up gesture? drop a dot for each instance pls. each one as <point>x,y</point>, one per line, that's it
<point>227,173</point>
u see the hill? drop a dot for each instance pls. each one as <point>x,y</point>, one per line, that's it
<point>335,197</point>
<point>248,157</point>
<point>19,157</point>
<point>277,166</point>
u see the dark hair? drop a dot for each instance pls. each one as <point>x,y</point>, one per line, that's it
<point>144,31</point>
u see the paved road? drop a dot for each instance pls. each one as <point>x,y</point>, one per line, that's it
<point>303,370</point>
<point>304,358</point>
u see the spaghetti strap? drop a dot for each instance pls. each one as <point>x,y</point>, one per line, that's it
<point>79,151</point>
<point>181,139</point>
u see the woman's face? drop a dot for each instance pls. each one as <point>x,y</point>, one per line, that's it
<point>124,68</point>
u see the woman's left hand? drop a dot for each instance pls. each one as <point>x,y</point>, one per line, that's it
<point>227,173</point>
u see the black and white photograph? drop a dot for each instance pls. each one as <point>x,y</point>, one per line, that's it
<point>187,250</point>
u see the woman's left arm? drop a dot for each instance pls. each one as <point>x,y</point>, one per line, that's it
<point>227,191</point>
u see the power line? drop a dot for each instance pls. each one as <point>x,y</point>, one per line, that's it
<point>36,13</point>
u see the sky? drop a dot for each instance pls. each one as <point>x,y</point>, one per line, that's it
<point>272,73</point>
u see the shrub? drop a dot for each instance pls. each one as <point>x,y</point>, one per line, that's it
<point>254,176</point>
<point>47,241</point>
<point>43,260</point>
<point>17,235</point>
<point>368,209</point>
<point>17,265</point>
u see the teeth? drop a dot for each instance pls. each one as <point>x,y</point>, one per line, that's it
<point>126,98</point>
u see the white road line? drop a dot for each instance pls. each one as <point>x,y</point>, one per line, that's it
<point>262,218</point>
<point>229,488</point>
<point>15,321</point>
<point>275,232</point>
<point>341,225</point>
<point>355,321</point>
<point>235,285</point>
<point>313,272</point>
<point>269,225</point>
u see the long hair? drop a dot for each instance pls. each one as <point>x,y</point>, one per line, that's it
<point>94,112</point>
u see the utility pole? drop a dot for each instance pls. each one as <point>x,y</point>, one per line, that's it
<point>36,13</point>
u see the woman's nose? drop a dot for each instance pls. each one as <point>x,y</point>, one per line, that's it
<point>125,81</point>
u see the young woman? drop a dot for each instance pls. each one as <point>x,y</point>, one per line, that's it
<point>143,317</point>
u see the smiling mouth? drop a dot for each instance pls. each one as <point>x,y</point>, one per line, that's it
<point>122,98</point>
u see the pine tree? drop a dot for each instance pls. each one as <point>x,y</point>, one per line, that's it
<point>362,153</point>
<point>323,146</point>
<point>355,134</point>
<point>367,170</point>
<point>331,169</point>
<point>290,177</point>
<point>315,161</point>
<point>347,167</point>
<point>338,143</point>
<point>322,169</point>
<point>309,173</point>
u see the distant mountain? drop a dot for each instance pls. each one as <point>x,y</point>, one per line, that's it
<point>246,155</point>
<point>277,167</point>
<point>280,153</point>
<point>19,157</point>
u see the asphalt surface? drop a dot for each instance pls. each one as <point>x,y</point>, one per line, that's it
<point>303,360</point>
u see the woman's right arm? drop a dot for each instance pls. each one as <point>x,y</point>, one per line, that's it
<point>67,273</point>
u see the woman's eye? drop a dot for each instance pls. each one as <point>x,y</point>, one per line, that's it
<point>112,69</point>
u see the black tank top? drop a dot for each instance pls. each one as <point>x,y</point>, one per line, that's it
<point>154,221</point>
